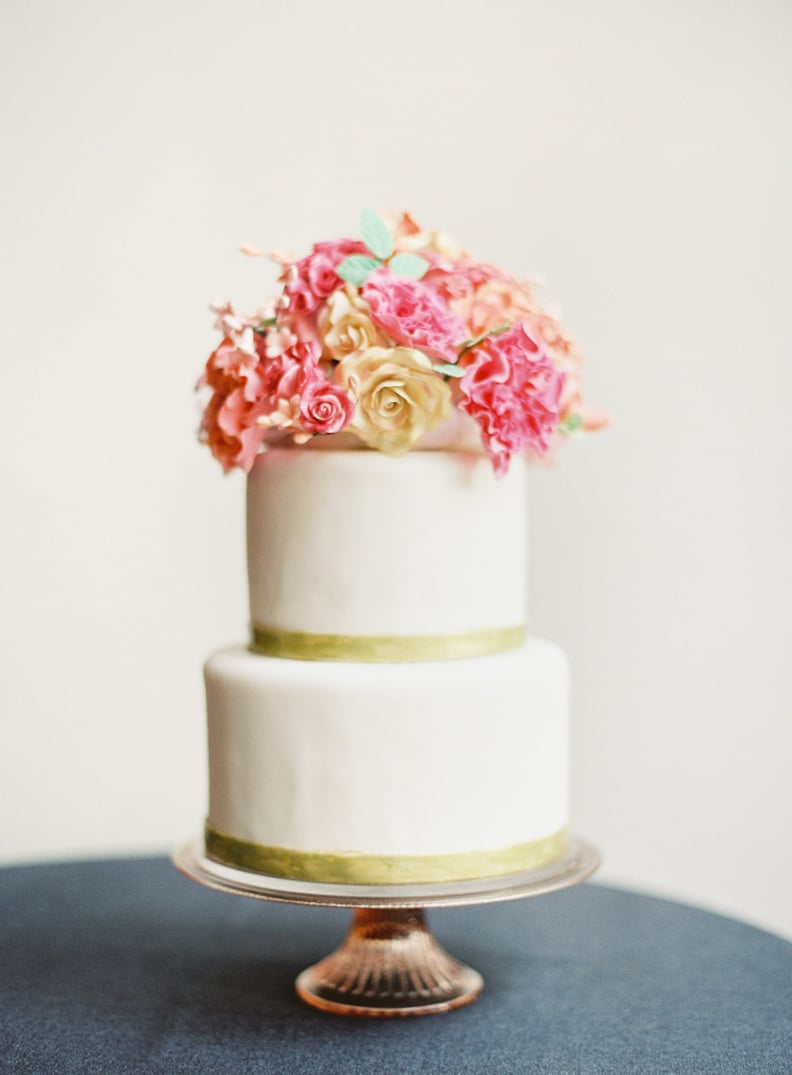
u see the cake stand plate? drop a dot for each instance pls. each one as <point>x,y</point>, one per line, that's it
<point>389,964</point>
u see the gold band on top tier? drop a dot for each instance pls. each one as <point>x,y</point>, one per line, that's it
<point>328,867</point>
<point>304,646</point>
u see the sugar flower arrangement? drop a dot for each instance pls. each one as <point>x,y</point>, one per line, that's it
<point>382,338</point>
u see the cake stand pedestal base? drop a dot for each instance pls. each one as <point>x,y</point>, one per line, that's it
<point>389,965</point>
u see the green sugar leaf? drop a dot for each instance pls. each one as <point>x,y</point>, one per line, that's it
<point>448,369</point>
<point>497,331</point>
<point>376,234</point>
<point>412,265</point>
<point>356,268</point>
<point>571,423</point>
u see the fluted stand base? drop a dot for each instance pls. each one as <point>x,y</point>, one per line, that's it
<point>389,965</point>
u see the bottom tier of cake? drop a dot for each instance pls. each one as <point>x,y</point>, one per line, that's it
<point>388,773</point>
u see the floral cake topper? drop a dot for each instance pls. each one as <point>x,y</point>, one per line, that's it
<point>382,338</point>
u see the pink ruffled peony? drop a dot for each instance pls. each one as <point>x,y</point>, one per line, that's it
<point>414,315</point>
<point>512,389</point>
<point>229,420</point>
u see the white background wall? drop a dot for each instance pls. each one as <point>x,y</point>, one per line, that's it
<point>635,154</point>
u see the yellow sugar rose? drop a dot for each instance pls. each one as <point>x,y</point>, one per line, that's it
<point>345,325</point>
<point>399,397</point>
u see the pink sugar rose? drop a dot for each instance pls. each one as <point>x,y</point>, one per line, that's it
<point>324,407</point>
<point>229,425</point>
<point>314,277</point>
<point>513,390</point>
<point>322,277</point>
<point>301,297</point>
<point>414,315</point>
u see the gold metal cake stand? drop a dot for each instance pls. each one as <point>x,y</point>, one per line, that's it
<point>389,964</point>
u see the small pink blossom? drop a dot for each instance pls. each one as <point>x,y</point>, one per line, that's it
<point>238,329</point>
<point>414,315</point>
<point>513,391</point>
<point>278,340</point>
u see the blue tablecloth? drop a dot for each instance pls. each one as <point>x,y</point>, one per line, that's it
<point>127,967</point>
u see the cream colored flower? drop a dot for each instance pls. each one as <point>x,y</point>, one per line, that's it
<point>436,242</point>
<point>345,325</point>
<point>399,397</point>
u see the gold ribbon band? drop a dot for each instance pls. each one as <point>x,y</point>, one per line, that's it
<point>357,869</point>
<point>304,646</point>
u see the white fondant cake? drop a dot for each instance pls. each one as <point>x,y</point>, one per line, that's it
<point>390,772</point>
<point>390,720</point>
<point>419,736</point>
<point>355,542</point>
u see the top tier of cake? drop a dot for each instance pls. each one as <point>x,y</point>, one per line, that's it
<point>354,545</point>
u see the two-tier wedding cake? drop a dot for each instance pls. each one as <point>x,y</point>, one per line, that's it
<point>390,720</point>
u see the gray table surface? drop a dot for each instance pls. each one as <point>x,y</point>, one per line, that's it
<point>127,967</point>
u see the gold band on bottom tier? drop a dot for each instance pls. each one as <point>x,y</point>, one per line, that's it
<point>358,869</point>
<point>305,646</point>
